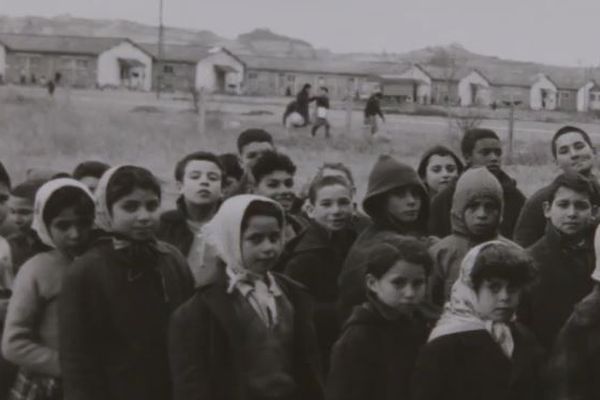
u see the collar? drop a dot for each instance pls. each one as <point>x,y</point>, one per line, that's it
<point>245,287</point>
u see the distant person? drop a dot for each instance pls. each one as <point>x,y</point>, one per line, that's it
<point>373,112</point>
<point>573,151</point>
<point>439,168</point>
<point>322,102</point>
<point>51,87</point>
<point>251,144</point>
<point>303,99</point>
<point>233,173</point>
<point>89,173</point>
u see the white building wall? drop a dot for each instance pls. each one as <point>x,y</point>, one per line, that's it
<point>583,97</point>
<point>3,62</point>
<point>109,73</point>
<point>536,98</point>
<point>424,85</point>
<point>483,92</point>
<point>206,73</point>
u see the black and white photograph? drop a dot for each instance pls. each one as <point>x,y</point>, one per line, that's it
<point>299,200</point>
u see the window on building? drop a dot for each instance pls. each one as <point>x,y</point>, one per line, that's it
<point>83,64</point>
<point>252,75</point>
<point>168,69</point>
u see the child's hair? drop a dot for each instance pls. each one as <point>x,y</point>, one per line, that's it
<point>253,136</point>
<point>504,261</point>
<point>94,169</point>
<point>325,181</point>
<point>128,178</point>
<point>67,197</point>
<point>262,208</point>
<point>231,164</point>
<point>472,136</point>
<point>338,167</point>
<point>382,256</point>
<point>575,182</point>
<point>197,156</point>
<point>27,189</point>
<point>4,177</point>
<point>569,129</point>
<point>441,151</point>
<point>271,161</point>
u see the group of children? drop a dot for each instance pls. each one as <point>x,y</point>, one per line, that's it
<point>446,284</point>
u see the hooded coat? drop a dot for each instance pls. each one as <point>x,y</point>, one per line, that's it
<point>448,253</point>
<point>387,175</point>
<point>440,221</point>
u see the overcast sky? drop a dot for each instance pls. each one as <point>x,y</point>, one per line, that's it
<point>552,31</point>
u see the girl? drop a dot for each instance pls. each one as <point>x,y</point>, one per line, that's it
<point>118,297</point>
<point>375,356</point>
<point>477,351</point>
<point>63,220</point>
<point>439,168</point>
<point>248,335</point>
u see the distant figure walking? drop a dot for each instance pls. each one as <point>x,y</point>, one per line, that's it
<point>322,101</point>
<point>372,111</point>
<point>51,86</point>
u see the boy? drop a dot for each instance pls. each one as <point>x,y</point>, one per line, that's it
<point>199,177</point>
<point>316,256</point>
<point>573,151</point>
<point>373,111</point>
<point>233,173</point>
<point>251,144</point>
<point>322,102</point>
<point>89,173</point>
<point>480,148</point>
<point>564,257</point>
<point>273,175</point>
<point>476,214</point>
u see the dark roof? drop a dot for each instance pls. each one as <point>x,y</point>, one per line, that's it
<point>309,65</point>
<point>59,44</point>
<point>178,53</point>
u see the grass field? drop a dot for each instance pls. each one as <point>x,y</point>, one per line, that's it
<point>57,133</point>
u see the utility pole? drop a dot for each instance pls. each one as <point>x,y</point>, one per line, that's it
<point>511,126</point>
<point>160,49</point>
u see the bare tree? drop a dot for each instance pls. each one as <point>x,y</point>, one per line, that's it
<point>447,61</point>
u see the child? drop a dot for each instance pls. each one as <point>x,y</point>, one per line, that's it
<point>89,173</point>
<point>7,370</point>
<point>480,148</point>
<point>199,177</point>
<point>63,219</point>
<point>315,257</point>
<point>373,111</point>
<point>251,144</point>
<point>564,256</point>
<point>248,335</point>
<point>476,214</point>
<point>233,173</point>
<point>575,359</point>
<point>477,351</point>
<point>375,356</point>
<point>397,203</point>
<point>6,226</point>
<point>274,178</point>
<point>117,298</point>
<point>322,102</point>
<point>439,168</point>
<point>573,151</point>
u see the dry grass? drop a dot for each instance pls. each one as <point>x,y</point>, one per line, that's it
<point>58,133</point>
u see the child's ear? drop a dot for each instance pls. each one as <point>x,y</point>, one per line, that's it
<point>546,206</point>
<point>309,208</point>
<point>371,282</point>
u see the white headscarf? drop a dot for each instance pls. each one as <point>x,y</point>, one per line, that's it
<point>460,313</point>
<point>103,218</point>
<point>41,199</point>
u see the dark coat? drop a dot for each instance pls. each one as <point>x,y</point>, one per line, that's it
<point>204,346</point>
<point>302,101</point>
<point>441,204</point>
<point>471,366</point>
<point>563,280</point>
<point>574,365</point>
<point>376,354</point>
<point>373,107</point>
<point>114,317</point>
<point>174,228</point>
<point>315,259</point>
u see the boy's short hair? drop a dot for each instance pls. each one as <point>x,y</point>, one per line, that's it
<point>503,261</point>
<point>253,136</point>
<point>338,167</point>
<point>94,169</point>
<point>569,129</point>
<point>472,136</point>
<point>576,182</point>
<point>382,256</point>
<point>4,177</point>
<point>271,161</point>
<point>27,189</point>
<point>325,181</point>
<point>231,165</point>
<point>196,156</point>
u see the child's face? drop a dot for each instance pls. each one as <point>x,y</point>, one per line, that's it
<point>4,196</point>
<point>137,214</point>
<point>497,300</point>
<point>262,243</point>
<point>252,152</point>
<point>573,153</point>
<point>404,204</point>
<point>482,216</point>
<point>402,286</point>
<point>279,186</point>
<point>441,171</point>
<point>486,153</point>
<point>332,208</point>
<point>570,212</point>
<point>20,212</point>
<point>230,186</point>
<point>201,184</point>
<point>70,231</point>
<point>90,181</point>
